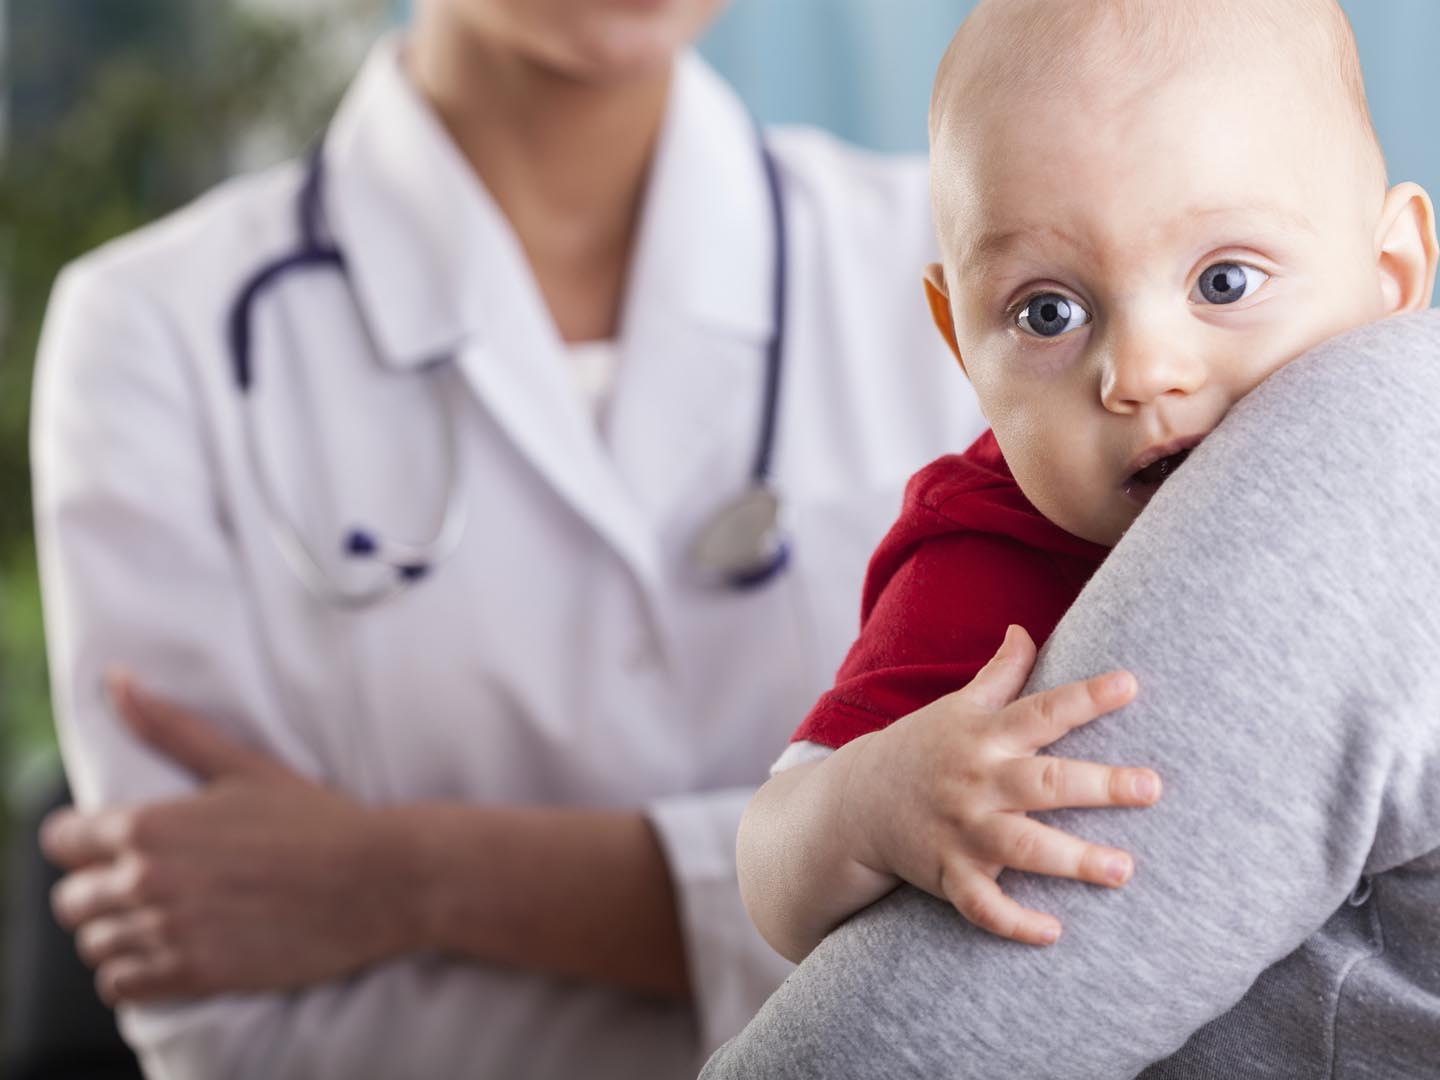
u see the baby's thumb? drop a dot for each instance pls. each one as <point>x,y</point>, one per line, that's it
<point>1000,681</point>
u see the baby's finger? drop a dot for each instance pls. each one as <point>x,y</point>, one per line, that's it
<point>1023,844</point>
<point>999,682</point>
<point>979,899</point>
<point>1040,719</point>
<point>1049,783</point>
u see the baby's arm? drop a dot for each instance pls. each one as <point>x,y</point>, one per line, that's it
<point>938,799</point>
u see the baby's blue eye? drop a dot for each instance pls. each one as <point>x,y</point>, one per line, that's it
<point>1226,283</point>
<point>1050,315</point>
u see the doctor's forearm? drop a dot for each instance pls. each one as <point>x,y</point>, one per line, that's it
<point>581,894</point>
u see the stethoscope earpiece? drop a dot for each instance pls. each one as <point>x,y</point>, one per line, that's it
<point>361,544</point>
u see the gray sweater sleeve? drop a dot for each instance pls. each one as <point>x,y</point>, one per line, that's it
<point>1279,603</point>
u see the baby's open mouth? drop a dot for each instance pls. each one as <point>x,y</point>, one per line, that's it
<point>1142,485</point>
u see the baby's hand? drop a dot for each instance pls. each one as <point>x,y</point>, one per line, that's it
<point>940,795</point>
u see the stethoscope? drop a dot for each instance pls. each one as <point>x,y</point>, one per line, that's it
<point>742,545</point>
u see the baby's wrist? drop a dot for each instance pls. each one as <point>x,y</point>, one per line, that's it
<point>862,809</point>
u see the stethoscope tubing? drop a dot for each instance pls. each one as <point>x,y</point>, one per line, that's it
<point>775,347</point>
<point>410,562</point>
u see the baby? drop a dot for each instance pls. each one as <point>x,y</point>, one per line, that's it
<point>1145,208</point>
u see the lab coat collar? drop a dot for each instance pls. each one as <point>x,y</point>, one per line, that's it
<point>699,306</point>
<point>407,212</point>
<point>419,230</point>
<point>705,233</point>
<point>439,272</point>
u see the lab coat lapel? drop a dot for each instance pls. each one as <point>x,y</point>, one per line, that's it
<point>440,274</point>
<point>518,378</point>
<point>699,307</point>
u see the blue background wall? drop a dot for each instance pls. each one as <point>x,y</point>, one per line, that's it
<point>863,67</point>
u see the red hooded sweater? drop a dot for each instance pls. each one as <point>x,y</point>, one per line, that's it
<point>969,556</point>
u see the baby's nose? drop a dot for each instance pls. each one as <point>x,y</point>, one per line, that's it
<point>1139,373</point>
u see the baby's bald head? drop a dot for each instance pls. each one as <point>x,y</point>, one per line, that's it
<point>1011,54</point>
<point>1145,208</point>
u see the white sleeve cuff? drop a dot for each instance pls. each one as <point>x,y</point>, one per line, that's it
<point>732,969</point>
<point>800,753</point>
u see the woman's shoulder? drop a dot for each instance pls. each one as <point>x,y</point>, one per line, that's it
<point>145,306</point>
<point>877,195</point>
<point>817,155</point>
<point>209,240</point>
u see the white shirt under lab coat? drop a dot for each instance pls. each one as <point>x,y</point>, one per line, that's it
<point>565,655</point>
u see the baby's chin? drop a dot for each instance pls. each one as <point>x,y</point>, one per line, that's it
<point>1107,532</point>
<point>1103,525</point>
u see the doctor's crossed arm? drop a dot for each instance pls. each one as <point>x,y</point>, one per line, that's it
<point>267,880</point>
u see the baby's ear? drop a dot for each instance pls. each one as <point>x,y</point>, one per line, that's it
<point>1406,248</point>
<point>938,297</point>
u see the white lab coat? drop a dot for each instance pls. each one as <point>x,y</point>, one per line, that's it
<point>564,655</point>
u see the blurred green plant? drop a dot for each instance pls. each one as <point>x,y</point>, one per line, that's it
<point>161,93</point>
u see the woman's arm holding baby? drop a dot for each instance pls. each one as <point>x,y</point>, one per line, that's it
<point>1277,602</point>
<point>938,800</point>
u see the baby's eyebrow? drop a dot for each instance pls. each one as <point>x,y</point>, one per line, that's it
<point>1265,212</point>
<point>991,245</point>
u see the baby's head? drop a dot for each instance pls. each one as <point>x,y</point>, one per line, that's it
<point>1145,208</point>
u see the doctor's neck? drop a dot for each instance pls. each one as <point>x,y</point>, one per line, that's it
<point>566,160</point>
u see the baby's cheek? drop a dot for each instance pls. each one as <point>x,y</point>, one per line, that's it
<point>1027,439</point>
<point>1049,363</point>
<point>1315,310</point>
<point>1021,432</point>
<point>1014,372</point>
<point>1067,487</point>
<point>1075,507</point>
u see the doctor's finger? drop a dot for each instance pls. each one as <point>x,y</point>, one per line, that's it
<point>146,976</point>
<point>185,737</point>
<point>72,839</point>
<point>143,930</point>
<point>1038,720</point>
<point>103,889</point>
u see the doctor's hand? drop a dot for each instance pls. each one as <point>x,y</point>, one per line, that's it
<point>261,880</point>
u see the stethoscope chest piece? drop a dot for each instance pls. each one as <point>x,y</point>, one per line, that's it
<point>743,544</point>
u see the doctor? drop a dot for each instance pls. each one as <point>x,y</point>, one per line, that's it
<point>402,467</point>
